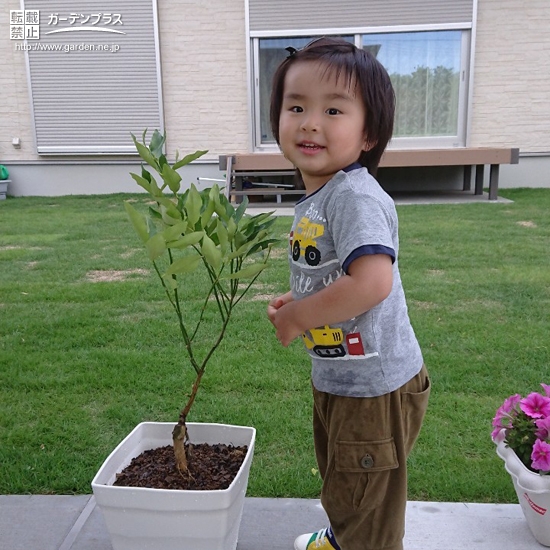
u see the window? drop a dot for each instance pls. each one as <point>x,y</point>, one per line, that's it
<point>425,71</point>
<point>428,70</point>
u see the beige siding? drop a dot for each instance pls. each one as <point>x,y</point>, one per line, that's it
<point>203,50</point>
<point>511,104</point>
<point>203,58</point>
<point>15,111</point>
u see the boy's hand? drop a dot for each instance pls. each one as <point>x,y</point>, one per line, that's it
<point>280,315</point>
<point>272,308</point>
<point>284,321</point>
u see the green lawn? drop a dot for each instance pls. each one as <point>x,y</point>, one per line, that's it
<point>89,346</point>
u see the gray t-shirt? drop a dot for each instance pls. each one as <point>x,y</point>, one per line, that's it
<point>376,352</point>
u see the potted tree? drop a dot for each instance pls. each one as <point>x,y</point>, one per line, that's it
<point>184,233</point>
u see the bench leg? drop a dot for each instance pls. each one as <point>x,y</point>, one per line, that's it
<point>480,168</point>
<point>228,172</point>
<point>493,182</point>
<point>467,178</point>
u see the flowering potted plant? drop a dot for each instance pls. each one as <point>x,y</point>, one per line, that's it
<point>521,431</point>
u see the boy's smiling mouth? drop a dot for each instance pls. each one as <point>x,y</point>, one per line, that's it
<point>310,147</point>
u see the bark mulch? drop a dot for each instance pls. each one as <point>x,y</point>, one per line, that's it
<point>211,467</point>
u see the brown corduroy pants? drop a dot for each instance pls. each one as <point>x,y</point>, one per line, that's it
<point>362,446</point>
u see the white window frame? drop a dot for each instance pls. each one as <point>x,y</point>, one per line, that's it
<point>425,142</point>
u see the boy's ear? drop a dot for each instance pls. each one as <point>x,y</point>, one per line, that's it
<point>368,145</point>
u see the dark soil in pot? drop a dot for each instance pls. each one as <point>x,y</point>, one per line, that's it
<point>211,467</point>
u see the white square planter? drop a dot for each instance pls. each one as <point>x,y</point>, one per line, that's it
<point>154,519</point>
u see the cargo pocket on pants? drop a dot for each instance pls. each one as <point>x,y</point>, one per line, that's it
<point>413,409</point>
<point>360,473</point>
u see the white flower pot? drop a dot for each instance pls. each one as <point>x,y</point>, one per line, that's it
<point>533,492</point>
<point>153,519</point>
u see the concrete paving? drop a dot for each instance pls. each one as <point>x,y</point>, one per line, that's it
<point>75,523</point>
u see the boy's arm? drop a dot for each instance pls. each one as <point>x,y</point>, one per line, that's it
<point>368,283</point>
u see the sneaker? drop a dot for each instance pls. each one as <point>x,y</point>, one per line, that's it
<point>321,540</point>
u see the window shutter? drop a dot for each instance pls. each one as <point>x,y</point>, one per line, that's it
<point>91,88</point>
<point>266,15</point>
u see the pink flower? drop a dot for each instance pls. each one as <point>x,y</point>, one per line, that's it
<point>503,416</point>
<point>541,456</point>
<point>546,389</point>
<point>511,402</point>
<point>535,405</point>
<point>543,425</point>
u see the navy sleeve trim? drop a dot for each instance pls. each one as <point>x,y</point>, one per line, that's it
<point>368,249</point>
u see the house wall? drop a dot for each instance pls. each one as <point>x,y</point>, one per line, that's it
<point>206,101</point>
<point>204,73</point>
<point>510,105</point>
<point>15,111</point>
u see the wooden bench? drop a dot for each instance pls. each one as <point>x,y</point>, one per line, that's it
<point>262,165</point>
<point>240,166</point>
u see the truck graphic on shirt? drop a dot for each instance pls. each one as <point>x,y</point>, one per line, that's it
<point>327,342</point>
<point>304,242</point>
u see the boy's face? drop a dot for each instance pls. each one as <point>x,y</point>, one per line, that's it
<point>321,127</point>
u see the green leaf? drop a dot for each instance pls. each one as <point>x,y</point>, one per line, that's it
<point>189,158</point>
<point>155,190</point>
<point>262,245</point>
<point>240,239</point>
<point>138,221</point>
<point>212,255</point>
<point>145,174</point>
<point>214,193</point>
<point>188,240</point>
<point>258,218</point>
<point>142,182</point>
<point>231,228</point>
<point>248,272</point>
<point>175,231</point>
<point>193,205</point>
<point>224,208</point>
<point>221,231</point>
<point>241,209</point>
<point>208,212</point>
<point>156,246</point>
<point>170,281</point>
<point>156,143</point>
<point>187,264</point>
<point>144,153</point>
<point>154,213</point>
<point>171,177</point>
<point>244,249</point>
<point>170,214</point>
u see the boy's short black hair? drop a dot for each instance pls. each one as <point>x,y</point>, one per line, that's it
<point>361,69</point>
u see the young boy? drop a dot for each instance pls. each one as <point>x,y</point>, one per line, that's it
<point>332,110</point>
